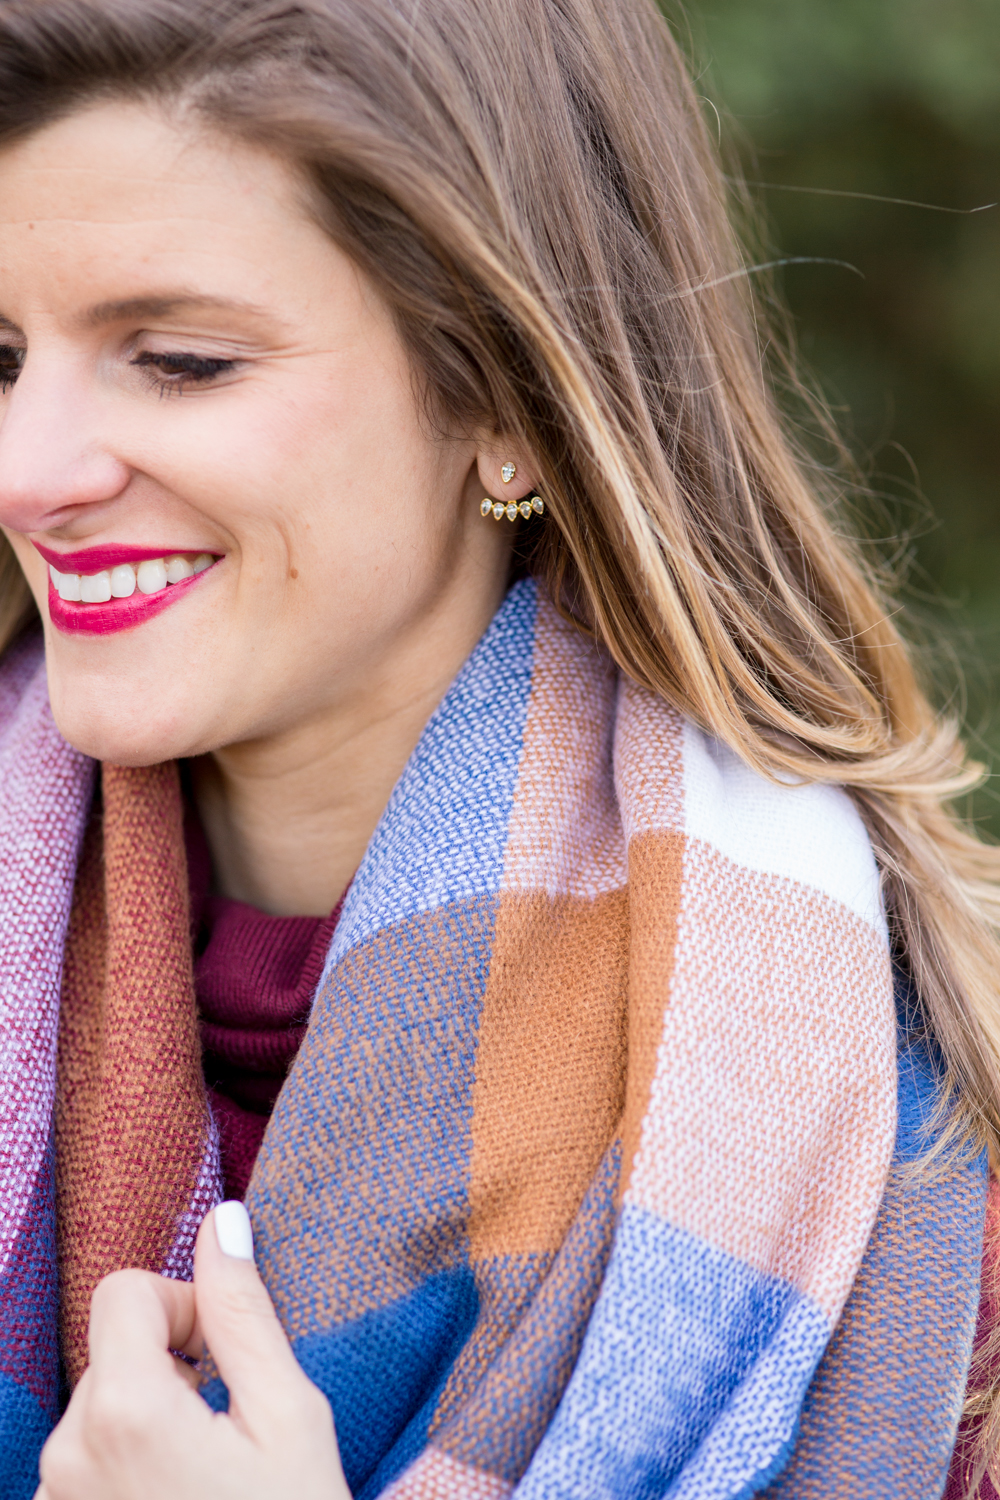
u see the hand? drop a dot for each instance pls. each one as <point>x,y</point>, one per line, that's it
<point>136,1429</point>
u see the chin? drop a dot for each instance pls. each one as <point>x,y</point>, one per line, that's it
<point>127,706</point>
<point>103,736</point>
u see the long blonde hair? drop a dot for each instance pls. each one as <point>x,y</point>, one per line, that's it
<point>530,184</point>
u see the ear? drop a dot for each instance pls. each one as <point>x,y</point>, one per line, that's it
<point>494,460</point>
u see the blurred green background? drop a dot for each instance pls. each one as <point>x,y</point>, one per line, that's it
<point>899,99</point>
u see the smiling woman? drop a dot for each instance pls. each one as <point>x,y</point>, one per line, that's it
<point>248,401</point>
<point>458,794</point>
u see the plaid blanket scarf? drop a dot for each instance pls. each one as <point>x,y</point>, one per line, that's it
<point>584,1182</point>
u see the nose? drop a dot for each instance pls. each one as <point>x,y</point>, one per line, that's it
<point>52,458</point>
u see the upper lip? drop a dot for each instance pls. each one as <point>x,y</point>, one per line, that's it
<point>89,560</point>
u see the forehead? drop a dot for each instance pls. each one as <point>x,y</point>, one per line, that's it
<point>136,161</point>
<point>125,197</point>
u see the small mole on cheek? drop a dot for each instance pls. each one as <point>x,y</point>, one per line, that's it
<point>294,573</point>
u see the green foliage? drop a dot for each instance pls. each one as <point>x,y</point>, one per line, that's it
<point>898,99</point>
<point>825,59</point>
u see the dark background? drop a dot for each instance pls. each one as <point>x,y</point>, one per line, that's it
<point>900,99</point>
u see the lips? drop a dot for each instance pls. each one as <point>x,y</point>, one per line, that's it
<point>96,559</point>
<point>117,614</point>
<point>110,615</point>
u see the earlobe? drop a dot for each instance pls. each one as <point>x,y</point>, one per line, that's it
<point>506,470</point>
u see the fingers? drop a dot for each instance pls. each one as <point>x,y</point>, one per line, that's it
<point>133,1428</point>
<point>134,1396</point>
<point>240,1327</point>
<point>189,1373</point>
<point>136,1318</point>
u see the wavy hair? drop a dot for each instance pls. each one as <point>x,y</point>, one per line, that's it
<point>531,186</point>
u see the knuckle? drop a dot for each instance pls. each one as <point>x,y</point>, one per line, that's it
<point>304,1406</point>
<point>315,1406</point>
<point>62,1466</point>
<point>118,1412</point>
<point>119,1286</point>
<point>241,1300</point>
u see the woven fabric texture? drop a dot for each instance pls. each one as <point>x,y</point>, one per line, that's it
<point>136,1164</point>
<point>583,1180</point>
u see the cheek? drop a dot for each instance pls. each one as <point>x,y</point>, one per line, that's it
<point>32,566</point>
<point>222,456</point>
<point>283,450</point>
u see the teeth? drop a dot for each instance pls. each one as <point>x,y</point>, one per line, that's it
<point>95,588</point>
<point>178,568</point>
<point>121,582</point>
<point>67,585</point>
<point>151,575</point>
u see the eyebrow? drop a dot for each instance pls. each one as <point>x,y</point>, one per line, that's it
<point>161,306</point>
<point>164,305</point>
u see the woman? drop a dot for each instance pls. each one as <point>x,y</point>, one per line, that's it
<point>444,646</point>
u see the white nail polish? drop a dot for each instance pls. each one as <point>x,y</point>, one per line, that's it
<point>233,1231</point>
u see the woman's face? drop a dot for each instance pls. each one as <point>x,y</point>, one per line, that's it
<point>199,386</point>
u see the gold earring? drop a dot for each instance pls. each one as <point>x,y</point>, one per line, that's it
<point>531,505</point>
<point>508,471</point>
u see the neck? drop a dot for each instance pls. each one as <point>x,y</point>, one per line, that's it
<point>288,817</point>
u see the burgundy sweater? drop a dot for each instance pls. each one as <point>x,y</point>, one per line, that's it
<point>255,977</point>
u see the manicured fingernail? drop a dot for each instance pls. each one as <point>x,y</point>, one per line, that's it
<point>233,1231</point>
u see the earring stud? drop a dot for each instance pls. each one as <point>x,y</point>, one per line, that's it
<point>508,471</point>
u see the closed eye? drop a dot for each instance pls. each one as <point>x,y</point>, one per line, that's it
<point>11,360</point>
<point>172,372</point>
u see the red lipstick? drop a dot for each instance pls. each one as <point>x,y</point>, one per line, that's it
<point>96,559</point>
<point>116,614</point>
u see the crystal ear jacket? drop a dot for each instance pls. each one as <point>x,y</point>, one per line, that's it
<point>531,505</point>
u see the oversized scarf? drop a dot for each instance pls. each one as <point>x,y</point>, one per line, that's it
<point>586,1181</point>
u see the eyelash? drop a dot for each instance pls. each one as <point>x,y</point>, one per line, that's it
<point>178,370</point>
<point>169,372</point>
<point>11,359</point>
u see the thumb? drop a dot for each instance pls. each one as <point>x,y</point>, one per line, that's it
<point>240,1326</point>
